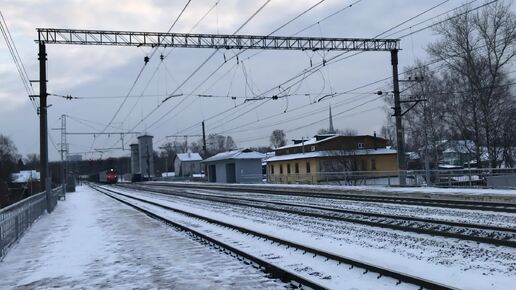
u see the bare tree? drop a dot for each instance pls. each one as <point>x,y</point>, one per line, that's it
<point>31,161</point>
<point>8,158</point>
<point>344,132</point>
<point>425,124</point>
<point>476,48</point>
<point>216,143</point>
<point>278,138</point>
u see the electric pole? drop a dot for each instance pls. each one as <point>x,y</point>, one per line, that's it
<point>204,140</point>
<point>397,114</point>
<point>64,152</point>
<point>43,129</point>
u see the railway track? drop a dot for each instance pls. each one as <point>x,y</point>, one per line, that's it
<point>285,274</point>
<point>499,236</point>
<point>430,202</point>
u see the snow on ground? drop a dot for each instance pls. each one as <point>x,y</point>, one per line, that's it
<point>91,241</point>
<point>377,189</point>
<point>447,214</point>
<point>328,274</point>
<point>463,264</point>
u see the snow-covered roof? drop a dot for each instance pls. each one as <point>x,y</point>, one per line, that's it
<point>267,156</point>
<point>308,142</point>
<point>25,176</point>
<point>189,156</point>
<point>236,154</point>
<point>333,153</point>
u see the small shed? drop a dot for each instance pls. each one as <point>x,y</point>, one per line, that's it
<point>187,164</point>
<point>237,166</point>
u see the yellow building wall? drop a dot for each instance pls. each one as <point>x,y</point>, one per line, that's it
<point>293,177</point>
<point>383,163</point>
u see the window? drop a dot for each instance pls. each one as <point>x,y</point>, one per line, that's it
<point>312,148</point>
<point>363,165</point>
<point>281,169</point>
<point>288,168</point>
<point>373,164</point>
<point>272,169</point>
<point>307,167</point>
<point>297,168</point>
<point>361,145</point>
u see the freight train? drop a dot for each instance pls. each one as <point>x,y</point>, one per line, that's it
<point>109,176</point>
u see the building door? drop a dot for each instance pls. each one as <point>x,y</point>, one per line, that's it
<point>212,173</point>
<point>230,173</point>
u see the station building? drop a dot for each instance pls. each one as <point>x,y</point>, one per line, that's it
<point>330,157</point>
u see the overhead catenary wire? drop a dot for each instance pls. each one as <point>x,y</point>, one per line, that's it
<point>197,70</point>
<point>144,65</point>
<point>164,57</point>
<point>147,59</point>
<point>441,21</point>
<point>306,72</point>
<point>20,67</point>
<point>235,56</point>
<point>236,106</point>
<point>313,69</point>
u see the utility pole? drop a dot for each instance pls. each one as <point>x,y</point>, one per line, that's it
<point>64,152</point>
<point>397,114</point>
<point>204,140</point>
<point>43,129</point>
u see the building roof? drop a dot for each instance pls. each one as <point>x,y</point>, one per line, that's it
<point>308,142</point>
<point>333,153</point>
<point>189,156</point>
<point>322,138</point>
<point>236,154</point>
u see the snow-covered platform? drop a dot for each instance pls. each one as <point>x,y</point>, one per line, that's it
<point>92,241</point>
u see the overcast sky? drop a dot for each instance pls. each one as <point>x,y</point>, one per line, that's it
<point>91,72</point>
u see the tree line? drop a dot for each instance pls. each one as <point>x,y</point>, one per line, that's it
<point>467,88</point>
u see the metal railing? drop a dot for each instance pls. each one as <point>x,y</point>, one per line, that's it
<point>476,177</point>
<point>16,218</point>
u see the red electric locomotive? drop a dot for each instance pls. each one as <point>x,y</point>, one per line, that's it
<point>109,176</point>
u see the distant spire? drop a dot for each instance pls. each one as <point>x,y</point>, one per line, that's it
<point>331,130</point>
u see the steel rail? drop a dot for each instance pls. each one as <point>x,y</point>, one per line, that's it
<point>266,266</point>
<point>392,222</point>
<point>401,277</point>
<point>430,202</point>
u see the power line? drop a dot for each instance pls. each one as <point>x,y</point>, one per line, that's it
<point>448,19</point>
<point>236,56</point>
<point>312,70</point>
<point>20,67</point>
<point>143,67</point>
<point>195,71</point>
<point>140,73</point>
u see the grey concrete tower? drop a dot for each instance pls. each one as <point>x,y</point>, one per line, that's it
<point>145,152</point>
<point>135,159</point>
